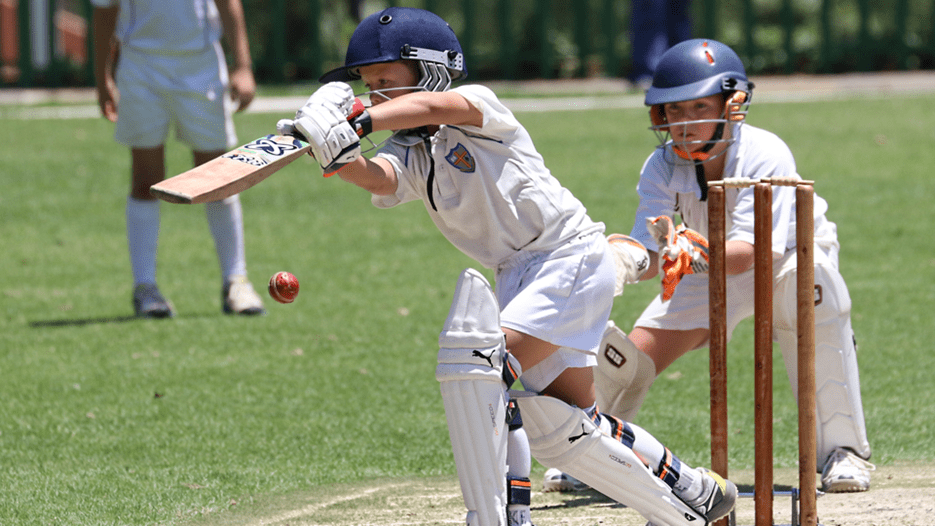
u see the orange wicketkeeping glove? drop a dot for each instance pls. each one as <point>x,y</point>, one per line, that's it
<point>681,251</point>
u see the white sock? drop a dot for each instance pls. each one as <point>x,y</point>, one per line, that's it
<point>519,464</point>
<point>143,238</point>
<point>688,485</point>
<point>518,456</point>
<point>225,218</point>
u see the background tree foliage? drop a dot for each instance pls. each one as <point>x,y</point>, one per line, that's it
<point>524,39</point>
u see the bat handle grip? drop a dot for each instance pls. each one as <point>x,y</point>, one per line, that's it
<point>298,135</point>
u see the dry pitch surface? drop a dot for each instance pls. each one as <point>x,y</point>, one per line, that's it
<point>901,495</point>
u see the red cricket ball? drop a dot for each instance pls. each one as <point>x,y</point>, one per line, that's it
<point>283,287</point>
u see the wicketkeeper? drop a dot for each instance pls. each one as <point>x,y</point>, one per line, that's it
<point>698,102</point>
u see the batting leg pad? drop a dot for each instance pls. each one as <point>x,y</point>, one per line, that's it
<point>471,356</point>
<point>623,374</point>
<point>563,437</point>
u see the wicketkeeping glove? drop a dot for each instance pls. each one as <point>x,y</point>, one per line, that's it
<point>681,251</point>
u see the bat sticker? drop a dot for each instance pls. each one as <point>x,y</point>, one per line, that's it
<point>219,178</point>
<point>258,152</point>
<point>267,145</point>
<point>247,158</point>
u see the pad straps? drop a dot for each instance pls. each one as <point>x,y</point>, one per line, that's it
<point>669,469</point>
<point>519,491</point>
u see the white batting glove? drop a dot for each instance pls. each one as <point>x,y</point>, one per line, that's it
<point>631,260</point>
<point>335,94</point>
<point>287,127</point>
<point>334,143</point>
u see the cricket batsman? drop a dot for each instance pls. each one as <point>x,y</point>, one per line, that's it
<point>462,154</point>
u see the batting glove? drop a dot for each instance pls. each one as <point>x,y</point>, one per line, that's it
<point>630,259</point>
<point>358,119</point>
<point>335,94</point>
<point>334,143</point>
<point>682,251</point>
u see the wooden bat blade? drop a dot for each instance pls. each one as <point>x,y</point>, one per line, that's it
<point>233,172</point>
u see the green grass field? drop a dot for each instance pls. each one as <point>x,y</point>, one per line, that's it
<point>105,419</point>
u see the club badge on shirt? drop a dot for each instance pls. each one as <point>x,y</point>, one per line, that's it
<point>461,158</point>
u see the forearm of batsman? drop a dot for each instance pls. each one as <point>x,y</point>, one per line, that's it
<point>376,176</point>
<point>418,109</point>
<point>413,110</point>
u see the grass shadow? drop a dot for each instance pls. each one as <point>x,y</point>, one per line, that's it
<point>588,497</point>
<point>81,322</point>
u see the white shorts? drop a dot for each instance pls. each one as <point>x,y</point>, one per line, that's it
<point>187,90</point>
<point>563,297</point>
<point>688,307</point>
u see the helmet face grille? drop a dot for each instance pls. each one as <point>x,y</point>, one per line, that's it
<point>691,70</point>
<point>396,33</point>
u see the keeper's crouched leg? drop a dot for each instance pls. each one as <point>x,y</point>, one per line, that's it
<point>840,415</point>
<point>472,365</point>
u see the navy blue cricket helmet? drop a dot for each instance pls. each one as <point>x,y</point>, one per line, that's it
<point>695,69</point>
<point>404,33</point>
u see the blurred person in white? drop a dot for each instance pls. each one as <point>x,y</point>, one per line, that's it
<point>159,64</point>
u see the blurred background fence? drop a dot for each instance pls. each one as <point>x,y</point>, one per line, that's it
<point>48,43</point>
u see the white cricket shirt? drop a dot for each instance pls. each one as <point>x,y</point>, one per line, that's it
<point>667,188</point>
<point>166,26</point>
<point>493,195</point>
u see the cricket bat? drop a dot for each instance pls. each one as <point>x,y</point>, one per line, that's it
<point>233,172</point>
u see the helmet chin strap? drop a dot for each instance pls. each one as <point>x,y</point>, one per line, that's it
<point>700,157</point>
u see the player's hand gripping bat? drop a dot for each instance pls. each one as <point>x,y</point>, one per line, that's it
<point>243,167</point>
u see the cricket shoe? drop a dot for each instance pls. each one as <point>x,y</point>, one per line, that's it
<point>148,302</point>
<point>557,480</point>
<point>240,298</point>
<point>717,498</point>
<point>845,472</point>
